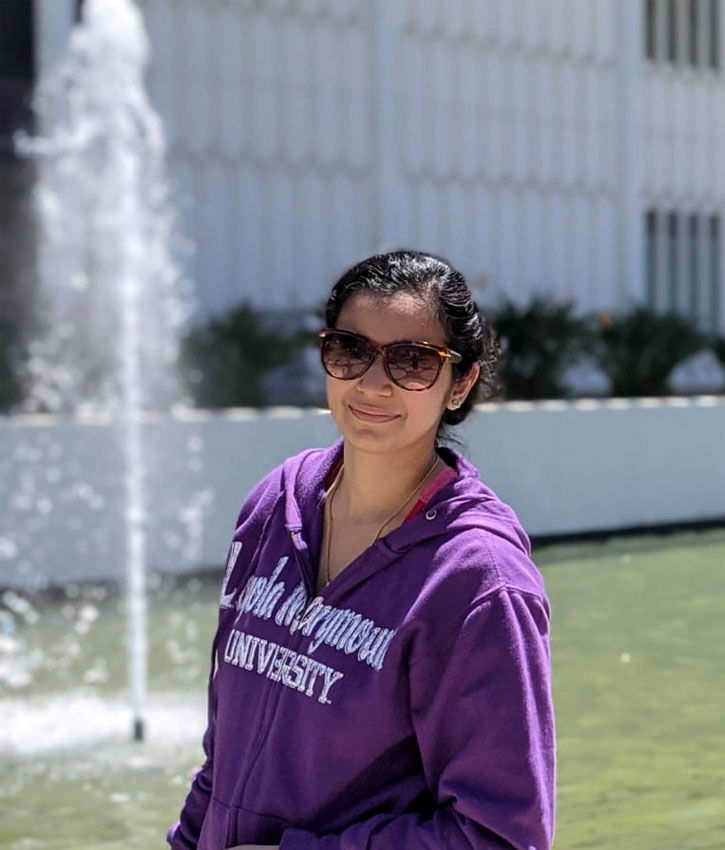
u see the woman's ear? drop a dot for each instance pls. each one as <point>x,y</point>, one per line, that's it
<point>460,388</point>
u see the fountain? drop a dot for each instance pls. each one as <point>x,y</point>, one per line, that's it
<point>111,299</point>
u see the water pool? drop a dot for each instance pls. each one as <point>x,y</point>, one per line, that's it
<point>639,683</point>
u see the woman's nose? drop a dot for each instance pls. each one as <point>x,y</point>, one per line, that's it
<point>375,378</point>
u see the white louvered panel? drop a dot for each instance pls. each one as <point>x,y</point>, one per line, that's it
<point>282,228</point>
<point>504,113</point>
<point>453,19</point>
<point>425,16</point>
<point>480,16</point>
<point>558,25</point>
<point>592,138</point>
<point>293,93</point>
<point>544,128</point>
<point>483,232</point>
<point>412,127</point>
<point>530,248</point>
<point>603,21</point>
<point>559,247</point>
<point>532,23</point>
<point>505,22</point>
<point>456,222</point>
<point>716,145</point>
<point>430,215</point>
<point>509,240</point>
<point>325,63</point>
<point>521,130</point>
<point>580,36</point>
<point>341,11</point>
<point>341,249</point>
<point>214,230</point>
<point>581,235</point>
<point>197,92</point>
<point>609,119</point>
<point>264,110</point>
<point>159,20</point>
<point>567,93</point>
<point>182,178</point>
<point>468,139</point>
<point>604,259</point>
<point>230,91</point>
<point>314,241</point>
<point>357,103</point>
<point>681,99</point>
<point>250,234</point>
<point>440,130</point>
<point>700,175</point>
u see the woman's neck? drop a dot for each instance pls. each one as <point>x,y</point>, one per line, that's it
<point>374,485</point>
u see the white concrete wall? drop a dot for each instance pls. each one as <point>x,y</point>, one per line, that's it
<point>565,468</point>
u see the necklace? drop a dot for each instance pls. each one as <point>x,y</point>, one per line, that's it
<point>328,513</point>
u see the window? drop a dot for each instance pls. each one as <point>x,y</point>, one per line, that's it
<point>683,265</point>
<point>683,32</point>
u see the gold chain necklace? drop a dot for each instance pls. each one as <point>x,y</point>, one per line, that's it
<point>328,513</point>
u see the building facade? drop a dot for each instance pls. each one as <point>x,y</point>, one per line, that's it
<point>568,147</point>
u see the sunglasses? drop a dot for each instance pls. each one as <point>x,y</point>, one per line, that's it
<point>411,366</point>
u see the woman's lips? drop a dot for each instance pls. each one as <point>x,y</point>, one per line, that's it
<point>369,416</point>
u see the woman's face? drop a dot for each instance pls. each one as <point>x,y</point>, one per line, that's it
<point>397,419</point>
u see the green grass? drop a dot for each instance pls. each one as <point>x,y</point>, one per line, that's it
<point>639,676</point>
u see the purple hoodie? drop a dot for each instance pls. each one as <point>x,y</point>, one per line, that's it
<point>406,707</point>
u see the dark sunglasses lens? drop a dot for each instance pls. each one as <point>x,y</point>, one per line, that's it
<point>413,367</point>
<point>345,356</point>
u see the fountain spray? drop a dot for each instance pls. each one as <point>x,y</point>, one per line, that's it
<point>112,303</point>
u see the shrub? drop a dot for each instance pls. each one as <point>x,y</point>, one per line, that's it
<point>539,342</point>
<point>224,360</point>
<point>638,350</point>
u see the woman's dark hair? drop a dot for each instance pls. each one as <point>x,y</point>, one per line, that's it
<point>434,280</point>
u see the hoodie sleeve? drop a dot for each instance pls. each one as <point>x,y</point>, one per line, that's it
<point>483,716</point>
<point>184,835</point>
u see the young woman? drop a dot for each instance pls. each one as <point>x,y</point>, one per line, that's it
<point>381,669</point>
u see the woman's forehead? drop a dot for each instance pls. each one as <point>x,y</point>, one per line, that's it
<point>388,318</point>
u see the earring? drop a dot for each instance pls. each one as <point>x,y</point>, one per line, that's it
<point>455,403</point>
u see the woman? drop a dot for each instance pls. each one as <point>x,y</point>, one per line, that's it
<point>381,669</point>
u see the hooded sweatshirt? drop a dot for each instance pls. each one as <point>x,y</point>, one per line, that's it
<point>407,706</point>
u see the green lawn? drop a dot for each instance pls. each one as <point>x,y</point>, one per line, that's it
<point>639,672</point>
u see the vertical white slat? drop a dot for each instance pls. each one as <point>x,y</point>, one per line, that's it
<point>566,92</point>
<point>579,15</point>
<point>508,238</point>
<point>293,91</point>
<point>342,196</point>
<point>581,224</point>
<point>313,239</point>
<point>483,233</point>
<point>442,124</point>
<point>468,139</point>
<point>230,48</point>
<point>455,215</point>
<point>196,128</point>
<point>607,257</point>
<point>251,231</point>
<point>481,23</point>
<point>214,238</point>
<point>492,141</point>
<point>559,247</point>
<point>605,31</point>
<point>628,17</point>
<point>592,139</point>
<point>358,107</point>
<point>558,25</point>
<point>532,272</point>
<point>385,29</point>
<point>701,173</point>
<point>520,130</point>
<point>544,136</point>
<point>506,20</point>
<point>532,18</point>
<point>430,217</point>
<point>159,23</point>
<point>281,276</point>
<point>329,61</point>
<point>452,18</point>
<point>702,39</point>
<point>264,113</point>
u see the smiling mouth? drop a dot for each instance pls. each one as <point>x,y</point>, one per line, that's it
<point>366,416</point>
